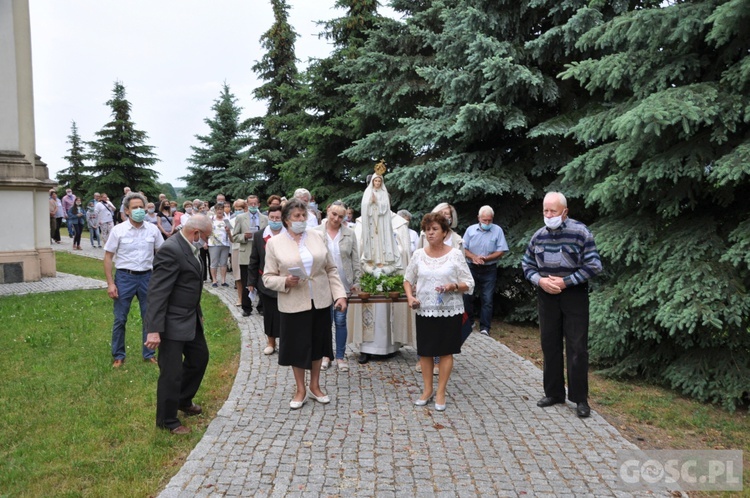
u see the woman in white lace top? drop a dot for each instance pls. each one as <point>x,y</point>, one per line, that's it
<point>439,275</point>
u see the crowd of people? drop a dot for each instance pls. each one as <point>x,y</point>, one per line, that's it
<point>299,268</point>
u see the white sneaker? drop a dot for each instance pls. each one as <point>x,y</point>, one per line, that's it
<point>484,332</point>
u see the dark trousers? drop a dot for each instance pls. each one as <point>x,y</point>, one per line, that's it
<point>247,303</point>
<point>52,227</point>
<point>78,231</point>
<point>205,262</point>
<point>565,316</point>
<point>56,231</point>
<point>181,368</point>
<point>485,277</point>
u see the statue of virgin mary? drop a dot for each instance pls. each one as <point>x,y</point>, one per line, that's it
<point>380,252</point>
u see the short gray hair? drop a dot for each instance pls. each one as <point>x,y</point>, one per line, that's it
<point>134,195</point>
<point>199,222</point>
<point>560,198</point>
<point>488,210</point>
<point>302,192</point>
<point>404,214</point>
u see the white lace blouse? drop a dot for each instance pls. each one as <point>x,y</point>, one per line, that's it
<point>425,274</point>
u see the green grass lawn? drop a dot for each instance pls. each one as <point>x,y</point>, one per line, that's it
<point>70,425</point>
<point>80,265</point>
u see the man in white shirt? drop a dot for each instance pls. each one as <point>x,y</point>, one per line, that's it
<point>131,245</point>
<point>104,210</point>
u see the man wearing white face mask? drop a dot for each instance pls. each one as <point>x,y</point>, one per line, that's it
<point>560,260</point>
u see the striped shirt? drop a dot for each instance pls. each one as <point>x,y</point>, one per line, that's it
<point>568,252</point>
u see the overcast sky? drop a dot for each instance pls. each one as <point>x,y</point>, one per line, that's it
<point>171,55</point>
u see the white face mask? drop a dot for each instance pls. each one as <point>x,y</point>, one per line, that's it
<point>554,222</point>
<point>299,227</point>
<point>198,243</point>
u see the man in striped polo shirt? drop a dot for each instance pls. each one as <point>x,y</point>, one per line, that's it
<point>560,260</point>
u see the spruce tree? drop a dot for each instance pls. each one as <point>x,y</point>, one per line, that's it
<point>386,88</point>
<point>323,127</point>
<point>219,151</point>
<point>258,171</point>
<point>668,147</point>
<point>120,154</point>
<point>75,175</point>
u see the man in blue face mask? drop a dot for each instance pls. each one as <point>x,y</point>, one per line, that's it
<point>484,245</point>
<point>560,260</point>
<point>246,225</point>
<point>131,246</point>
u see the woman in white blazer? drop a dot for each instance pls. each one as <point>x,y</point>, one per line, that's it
<point>302,271</point>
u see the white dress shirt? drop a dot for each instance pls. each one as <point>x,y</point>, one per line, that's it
<point>134,247</point>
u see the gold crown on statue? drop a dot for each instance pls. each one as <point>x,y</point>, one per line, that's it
<point>380,167</point>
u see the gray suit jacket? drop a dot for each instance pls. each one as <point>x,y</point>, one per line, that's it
<point>174,292</point>
<point>240,226</point>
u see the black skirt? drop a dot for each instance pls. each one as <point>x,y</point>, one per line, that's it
<point>305,337</point>
<point>438,335</point>
<point>271,316</point>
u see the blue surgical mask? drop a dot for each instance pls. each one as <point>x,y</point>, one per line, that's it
<point>198,244</point>
<point>138,214</point>
<point>238,211</point>
<point>275,225</point>
<point>299,227</point>
<point>313,205</point>
<point>253,209</point>
<point>486,226</point>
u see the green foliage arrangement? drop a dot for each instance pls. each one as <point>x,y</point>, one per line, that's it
<point>380,285</point>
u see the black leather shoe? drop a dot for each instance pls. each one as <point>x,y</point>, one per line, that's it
<point>192,410</point>
<point>583,410</point>
<point>549,401</point>
<point>246,313</point>
<point>363,358</point>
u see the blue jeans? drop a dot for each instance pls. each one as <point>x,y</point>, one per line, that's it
<point>72,227</point>
<point>485,277</point>
<point>339,320</point>
<point>94,235</point>
<point>128,286</point>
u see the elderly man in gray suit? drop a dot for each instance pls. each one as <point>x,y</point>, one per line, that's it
<point>175,323</point>
<point>246,225</point>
